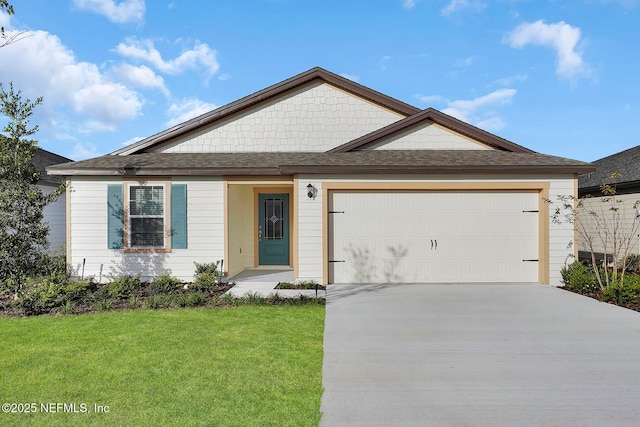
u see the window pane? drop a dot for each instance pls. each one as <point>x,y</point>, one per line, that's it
<point>147,232</point>
<point>273,218</point>
<point>146,200</point>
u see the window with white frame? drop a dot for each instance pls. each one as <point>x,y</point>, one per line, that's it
<point>146,216</point>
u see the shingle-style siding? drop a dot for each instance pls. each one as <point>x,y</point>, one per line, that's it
<point>429,137</point>
<point>88,241</point>
<point>317,117</point>
<point>55,216</point>
<point>310,218</point>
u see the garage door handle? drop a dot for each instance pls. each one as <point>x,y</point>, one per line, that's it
<point>529,260</point>
<point>331,260</point>
<point>434,244</point>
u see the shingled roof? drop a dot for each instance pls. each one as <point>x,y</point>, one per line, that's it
<point>42,159</point>
<point>626,162</point>
<point>370,161</point>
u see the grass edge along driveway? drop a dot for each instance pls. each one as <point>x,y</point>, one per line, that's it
<point>241,366</point>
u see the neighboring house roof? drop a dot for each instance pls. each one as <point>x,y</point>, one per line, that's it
<point>43,158</point>
<point>404,161</point>
<point>267,94</point>
<point>626,162</point>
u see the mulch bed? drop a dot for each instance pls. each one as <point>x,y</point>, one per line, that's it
<point>597,295</point>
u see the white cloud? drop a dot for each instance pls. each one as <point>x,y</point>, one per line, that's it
<point>466,109</point>
<point>383,61</point>
<point>428,99</point>
<point>75,93</point>
<point>84,150</point>
<point>132,140</point>
<point>458,5</point>
<point>351,77</point>
<point>480,111</point>
<point>5,21</point>
<point>409,4</point>
<point>200,57</point>
<point>510,80</point>
<point>560,36</point>
<point>141,76</point>
<point>465,62</point>
<point>120,13</point>
<point>187,109</point>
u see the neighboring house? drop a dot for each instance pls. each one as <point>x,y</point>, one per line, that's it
<point>329,178</point>
<point>54,213</point>
<point>627,187</point>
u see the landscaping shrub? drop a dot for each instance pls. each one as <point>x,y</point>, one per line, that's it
<point>633,263</point>
<point>579,277</point>
<point>623,293</point>
<point>164,284</point>
<point>41,295</point>
<point>123,286</point>
<point>206,276</point>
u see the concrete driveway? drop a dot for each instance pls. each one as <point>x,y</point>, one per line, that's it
<point>478,355</point>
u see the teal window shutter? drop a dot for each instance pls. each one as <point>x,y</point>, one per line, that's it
<point>115,221</point>
<point>178,216</point>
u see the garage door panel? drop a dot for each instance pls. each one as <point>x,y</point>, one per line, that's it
<point>433,237</point>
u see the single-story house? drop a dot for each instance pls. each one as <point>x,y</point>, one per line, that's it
<point>54,213</point>
<point>626,166</point>
<point>326,177</point>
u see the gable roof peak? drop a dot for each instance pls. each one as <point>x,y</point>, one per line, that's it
<point>431,115</point>
<point>271,92</point>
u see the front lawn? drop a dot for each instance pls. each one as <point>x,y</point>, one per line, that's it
<point>240,366</point>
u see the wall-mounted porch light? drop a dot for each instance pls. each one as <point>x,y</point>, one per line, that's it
<point>312,191</point>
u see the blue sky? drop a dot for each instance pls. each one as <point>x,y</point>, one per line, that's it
<point>559,77</point>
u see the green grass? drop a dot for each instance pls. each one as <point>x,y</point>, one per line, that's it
<point>241,366</point>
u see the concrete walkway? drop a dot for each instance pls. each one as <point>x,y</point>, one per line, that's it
<point>263,282</point>
<point>478,355</point>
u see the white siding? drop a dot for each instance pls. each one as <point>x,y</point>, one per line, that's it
<point>89,232</point>
<point>310,217</point>
<point>430,137</point>
<point>317,117</point>
<point>310,231</point>
<point>596,216</point>
<point>55,215</point>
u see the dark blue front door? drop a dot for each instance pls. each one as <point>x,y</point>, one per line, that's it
<point>273,229</point>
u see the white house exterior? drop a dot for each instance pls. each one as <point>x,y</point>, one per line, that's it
<point>54,213</point>
<point>602,216</point>
<point>331,179</point>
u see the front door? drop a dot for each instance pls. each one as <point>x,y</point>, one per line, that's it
<point>273,229</point>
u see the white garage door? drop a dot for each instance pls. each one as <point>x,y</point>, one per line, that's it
<point>412,237</point>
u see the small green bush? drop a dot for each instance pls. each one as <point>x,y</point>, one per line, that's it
<point>77,290</point>
<point>41,295</point>
<point>164,284</point>
<point>208,268</point>
<point>633,263</point>
<point>623,294</point>
<point>206,276</point>
<point>123,286</point>
<point>579,277</point>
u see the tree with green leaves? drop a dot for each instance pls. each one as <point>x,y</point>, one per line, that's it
<point>23,234</point>
<point>607,226</point>
<point>6,7</point>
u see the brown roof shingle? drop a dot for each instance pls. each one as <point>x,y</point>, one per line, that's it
<point>370,161</point>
